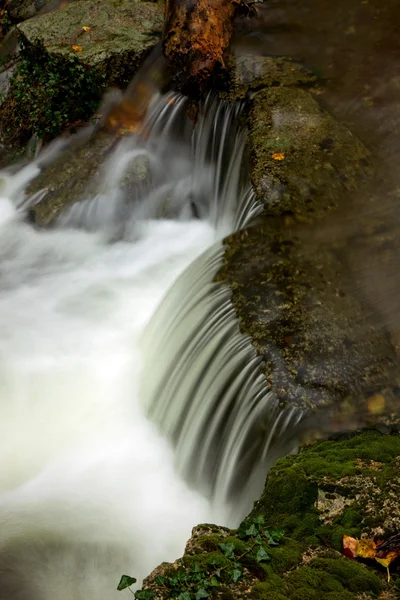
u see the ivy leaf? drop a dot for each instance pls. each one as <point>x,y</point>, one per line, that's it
<point>184,596</point>
<point>275,536</point>
<point>251,531</point>
<point>144,594</point>
<point>201,593</point>
<point>125,582</point>
<point>261,555</point>
<point>214,582</point>
<point>160,580</point>
<point>227,549</point>
<point>236,574</point>
<point>258,539</point>
<point>196,568</point>
<point>259,519</point>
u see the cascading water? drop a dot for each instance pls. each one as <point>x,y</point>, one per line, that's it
<point>88,486</point>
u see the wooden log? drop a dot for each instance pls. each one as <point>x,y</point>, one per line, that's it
<point>196,35</point>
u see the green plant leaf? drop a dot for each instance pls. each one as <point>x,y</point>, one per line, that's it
<point>259,519</point>
<point>144,594</point>
<point>227,549</point>
<point>236,573</point>
<point>275,534</point>
<point>202,593</point>
<point>196,568</point>
<point>184,596</point>
<point>214,582</point>
<point>125,582</point>
<point>251,531</point>
<point>261,555</point>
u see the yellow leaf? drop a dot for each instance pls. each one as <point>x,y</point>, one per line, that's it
<point>385,563</point>
<point>278,156</point>
<point>77,48</point>
<point>86,28</point>
<point>366,549</point>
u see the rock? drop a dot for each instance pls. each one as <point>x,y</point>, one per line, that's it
<point>121,34</point>
<point>303,559</point>
<point>249,73</point>
<point>20,10</point>
<point>300,307</point>
<point>303,162</point>
<point>77,175</point>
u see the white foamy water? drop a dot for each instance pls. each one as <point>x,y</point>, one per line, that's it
<point>80,464</point>
<point>88,485</point>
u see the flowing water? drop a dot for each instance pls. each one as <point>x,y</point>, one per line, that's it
<point>89,487</point>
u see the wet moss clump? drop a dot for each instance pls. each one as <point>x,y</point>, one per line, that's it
<point>47,94</point>
<point>348,486</point>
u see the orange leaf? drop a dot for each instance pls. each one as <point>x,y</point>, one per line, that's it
<point>350,546</point>
<point>366,549</point>
<point>278,156</point>
<point>77,48</point>
<point>86,28</point>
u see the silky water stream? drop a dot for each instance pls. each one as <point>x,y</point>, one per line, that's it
<point>117,394</point>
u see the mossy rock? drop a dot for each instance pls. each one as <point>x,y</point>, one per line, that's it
<point>335,487</point>
<point>318,341</point>
<point>121,34</point>
<point>306,563</point>
<point>248,73</point>
<point>303,161</point>
<point>20,10</point>
<point>77,175</point>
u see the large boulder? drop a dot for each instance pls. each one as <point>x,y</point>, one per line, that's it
<point>300,304</point>
<point>119,34</point>
<point>289,547</point>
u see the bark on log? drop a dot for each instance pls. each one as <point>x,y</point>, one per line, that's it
<point>196,35</point>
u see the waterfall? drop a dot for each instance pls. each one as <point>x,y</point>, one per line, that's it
<point>128,413</point>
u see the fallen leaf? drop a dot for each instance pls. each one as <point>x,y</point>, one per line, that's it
<point>86,28</point>
<point>350,546</point>
<point>366,549</point>
<point>278,156</point>
<point>77,48</point>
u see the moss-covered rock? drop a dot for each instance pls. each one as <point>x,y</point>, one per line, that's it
<point>121,33</point>
<point>77,175</point>
<point>47,94</point>
<point>20,10</point>
<point>344,486</point>
<point>249,73</point>
<point>299,306</point>
<point>303,162</point>
<point>306,563</point>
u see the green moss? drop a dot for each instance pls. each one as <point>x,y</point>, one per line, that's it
<point>289,490</point>
<point>286,556</point>
<point>352,575</point>
<point>47,94</point>
<point>335,458</point>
